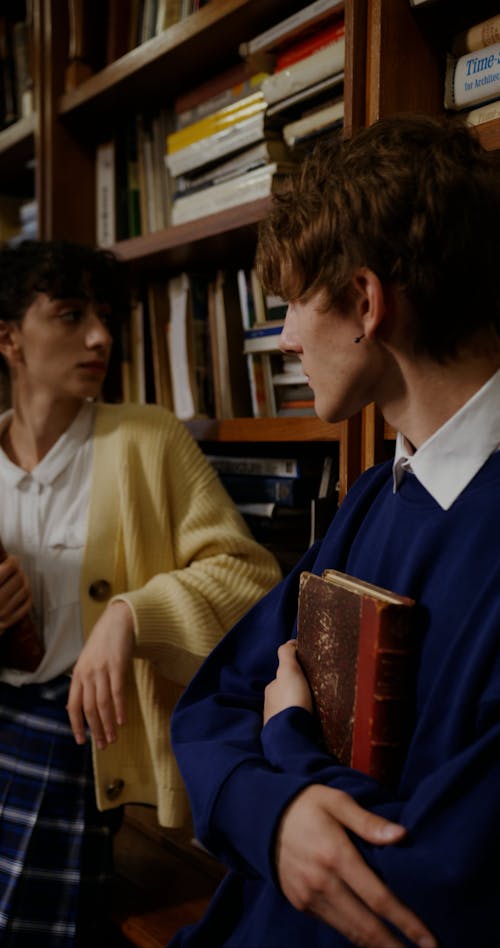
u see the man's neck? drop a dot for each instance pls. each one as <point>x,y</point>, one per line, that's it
<point>434,392</point>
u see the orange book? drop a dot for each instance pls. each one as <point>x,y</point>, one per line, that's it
<point>356,644</point>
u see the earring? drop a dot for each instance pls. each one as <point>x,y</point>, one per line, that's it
<point>359,338</point>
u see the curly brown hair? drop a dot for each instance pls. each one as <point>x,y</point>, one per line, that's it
<point>415,199</point>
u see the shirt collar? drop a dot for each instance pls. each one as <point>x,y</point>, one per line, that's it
<point>447,462</point>
<point>60,454</point>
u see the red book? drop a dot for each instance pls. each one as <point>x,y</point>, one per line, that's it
<point>356,644</point>
<point>309,44</point>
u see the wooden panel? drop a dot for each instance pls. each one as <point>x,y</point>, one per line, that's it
<point>264,429</point>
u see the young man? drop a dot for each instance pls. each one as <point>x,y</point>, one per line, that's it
<point>387,248</point>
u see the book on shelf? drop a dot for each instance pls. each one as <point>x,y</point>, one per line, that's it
<point>226,88</point>
<point>283,530</point>
<point>188,346</point>
<point>304,46</point>
<point>483,113</point>
<point>257,183</point>
<point>158,315</point>
<point>168,12</point>
<point>294,107</point>
<point>477,36</point>
<point>105,194</point>
<point>216,122</point>
<point>326,62</point>
<point>266,152</point>
<point>260,488</point>
<point>23,70</point>
<point>356,644</point>
<point>263,337</point>
<point>472,78</point>
<point>315,123</point>
<point>286,30</point>
<point>267,466</point>
<point>231,383</point>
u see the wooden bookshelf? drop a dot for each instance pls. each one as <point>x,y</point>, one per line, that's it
<point>395,62</point>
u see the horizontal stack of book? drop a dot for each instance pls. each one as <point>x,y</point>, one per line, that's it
<point>235,135</point>
<point>287,502</point>
<point>304,55</point>
<point>472,81</point>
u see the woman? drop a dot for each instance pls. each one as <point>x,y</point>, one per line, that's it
<point>134,562</point>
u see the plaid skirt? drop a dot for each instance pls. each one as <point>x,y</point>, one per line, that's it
<point>55,846</point>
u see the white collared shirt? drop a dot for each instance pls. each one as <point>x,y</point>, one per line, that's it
<point>447,462</point>
<point>43,520</point>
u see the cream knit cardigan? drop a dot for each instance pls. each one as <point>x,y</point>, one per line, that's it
<point>164,536</point>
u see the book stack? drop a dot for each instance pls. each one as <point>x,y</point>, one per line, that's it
<point>472,79</point>
<point>277,496</point>
<point>305,57</point>
<point>227,154</point>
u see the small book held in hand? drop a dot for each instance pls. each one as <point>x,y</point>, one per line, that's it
<point>357,647</point>
<point>20,645</point>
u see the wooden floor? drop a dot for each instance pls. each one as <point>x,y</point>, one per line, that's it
<point>161,884</point>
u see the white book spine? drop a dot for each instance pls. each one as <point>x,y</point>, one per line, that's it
<point>178,294</point>
<point>474,77</point>
<point>325,62</point>
<point>105,194</point>
<point>256,184</point>
<point>283,29</point>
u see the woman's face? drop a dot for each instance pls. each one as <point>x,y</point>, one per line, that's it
<point>62,347</point>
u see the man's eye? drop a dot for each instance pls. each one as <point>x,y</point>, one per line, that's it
<point>71,315</point>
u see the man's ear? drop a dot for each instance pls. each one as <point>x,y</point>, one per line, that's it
<point>370,301</point>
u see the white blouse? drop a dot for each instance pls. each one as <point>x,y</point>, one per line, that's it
<point>43,520</point>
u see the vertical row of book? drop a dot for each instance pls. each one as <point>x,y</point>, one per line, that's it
<point>16,75</point>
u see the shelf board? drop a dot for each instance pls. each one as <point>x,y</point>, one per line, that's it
<point>264,429</point>
<point>17,146</point>
<point>177,58</point>
<point>489,134</point>
<point>229,234</point>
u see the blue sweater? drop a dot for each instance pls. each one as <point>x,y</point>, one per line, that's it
<point>240,777</point>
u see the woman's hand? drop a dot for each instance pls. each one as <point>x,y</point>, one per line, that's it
<point>98,682</point>
<point>290,688</point>
<point>322,873</point>
<point>15,593</point>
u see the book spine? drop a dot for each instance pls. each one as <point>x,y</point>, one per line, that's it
<point>326,62</point>
<point>198,153</point>
<point>216,122</point>
<point>310,44</point>
<point>483,113</point>
<point>383,691</point>
<point>288,27</point>
<point>105,194</point>
<point>478,36</point>
<point>474,77</point>
<point>210,200</point>
<point>274,467</point>
<point>285,491</point>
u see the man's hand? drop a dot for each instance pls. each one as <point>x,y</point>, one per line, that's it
<point>321,872</point>
<point>98,681</point>
<point>15,593</point>
<point>290,688</point>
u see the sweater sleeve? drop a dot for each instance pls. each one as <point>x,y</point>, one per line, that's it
<point>204,568</point>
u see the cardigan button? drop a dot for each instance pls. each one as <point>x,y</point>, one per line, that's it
<point>114,789</point>
<point>100,590</point>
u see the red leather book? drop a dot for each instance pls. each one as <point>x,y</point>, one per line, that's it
<point>356,644</point>
<point>20,644</point>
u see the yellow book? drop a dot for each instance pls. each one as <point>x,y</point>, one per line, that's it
<point>236,112</point>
